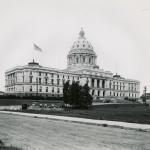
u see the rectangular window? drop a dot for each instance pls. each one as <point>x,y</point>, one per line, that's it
<point>98,83</point>
<point>57,81</point>
<point>98,93</point>
<point>30,79</point>
<point>40,89</point>
<point>58,90</point>
<point>53,90</point>
<point>30,88</point>
<point>52,81</point>
<point>39,80</point>
<point>46,81</point>
<point>46,89</point>
<point>39,73</point>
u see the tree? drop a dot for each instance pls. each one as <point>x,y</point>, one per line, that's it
<point>77,95</point>
<point>65,92</point>
<point>85,97</point>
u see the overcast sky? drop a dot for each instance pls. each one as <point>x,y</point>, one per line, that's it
<point>119,31</point>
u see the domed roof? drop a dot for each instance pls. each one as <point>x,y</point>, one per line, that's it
<point>82,45</point>
<point>81,54</point>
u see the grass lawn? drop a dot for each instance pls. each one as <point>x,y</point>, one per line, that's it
<point>129,113</point>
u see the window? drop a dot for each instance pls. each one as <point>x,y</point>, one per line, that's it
<point>39,73</point>
<point>46,74</point>
<point>40,90</point>
<point>58,90</point>
<point>53,90</point>
<point>93,92</point>
<point>57,76</point>
<point>77,60</point>
<point>89,60</point>
<point>103,93</point>
<point>46,81</point>
<point>39,80</point>
<point>92,82</point>
<point>52,81</point>
<point>57,81</point>
<point>52,75</point>
<point>83,45</point>
<point>83,60</point>
<point>110,93</point>
<point>98,93</point>
<point>114,87</point>
<point>30,79</point>
<point>46,89</point>
<point>98,83</point>
<point>30,88</point>
<point>30,72</point>
<point>68,77</point>
<point>103,84</point>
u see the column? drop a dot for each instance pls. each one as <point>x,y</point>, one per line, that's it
<point>95,82</point>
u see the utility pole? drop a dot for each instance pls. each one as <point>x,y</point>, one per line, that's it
<point>144,94</point>
<point>36,86</point>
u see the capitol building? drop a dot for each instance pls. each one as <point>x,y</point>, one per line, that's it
<point>34,79</point>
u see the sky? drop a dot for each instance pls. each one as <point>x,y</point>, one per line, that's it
<point>119,31</point>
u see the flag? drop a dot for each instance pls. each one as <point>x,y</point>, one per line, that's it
<point>37,48</point>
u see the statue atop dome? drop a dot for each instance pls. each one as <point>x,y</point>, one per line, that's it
<point>81,33</point>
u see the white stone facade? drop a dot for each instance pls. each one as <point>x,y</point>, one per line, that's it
<point>81,66</point>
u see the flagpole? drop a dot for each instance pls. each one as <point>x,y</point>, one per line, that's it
<point>36,48</point>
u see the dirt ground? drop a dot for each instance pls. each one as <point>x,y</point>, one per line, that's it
<point>42,134</point>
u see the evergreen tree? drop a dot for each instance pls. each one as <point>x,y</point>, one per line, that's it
<point>77,95</point>
<point>65,92</point>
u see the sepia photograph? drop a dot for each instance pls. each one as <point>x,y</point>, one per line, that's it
<point>74,75</point>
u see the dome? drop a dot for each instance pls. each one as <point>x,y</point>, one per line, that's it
<point>81,53</point>
<point>82,44</point>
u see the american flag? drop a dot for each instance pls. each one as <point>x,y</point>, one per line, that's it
<point>37,48</point>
